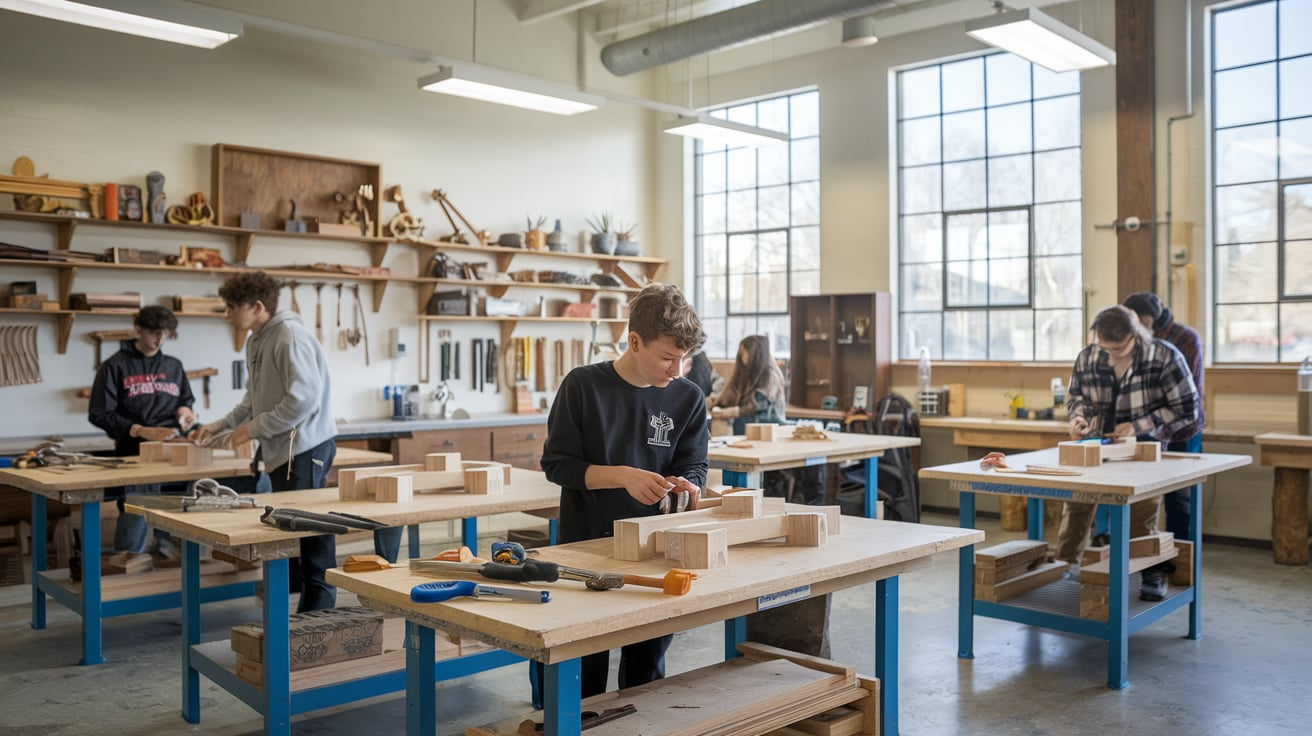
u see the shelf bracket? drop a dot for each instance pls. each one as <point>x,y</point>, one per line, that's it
<point>64,232</point>
<point>242,247</point>
<point>66,277</point>
<point>64,330</point>
<point>507,329</point>
<point>378,288</point>
<point>377,254</point>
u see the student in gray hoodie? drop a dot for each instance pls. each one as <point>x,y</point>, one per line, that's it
<point>287,407</point>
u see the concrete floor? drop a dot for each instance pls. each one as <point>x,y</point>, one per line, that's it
<point>1248,675</point>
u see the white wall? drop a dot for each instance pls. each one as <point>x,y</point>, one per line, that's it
<point>92,106</point>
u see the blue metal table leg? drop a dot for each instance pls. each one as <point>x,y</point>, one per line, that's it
<point>190,630</point>
<point>553,527</point>
<point>469,533</point>
<point>420,681</point>
<point>92,652</point>
<point>872,486</point>
<point>277,651</point>
<point>38,560</point>
<point>1196,536</point>
<point>735,633</point>
<point>734,478</point>
<point>966,582</point>
<point>562,715</point>
<point>412,536</point>
<point>1034,520</point>
<point>1118,605</point>
<point>886,653</point>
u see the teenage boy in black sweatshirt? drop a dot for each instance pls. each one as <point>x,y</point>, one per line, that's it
<point>621,435</point>
<point>141,394</point>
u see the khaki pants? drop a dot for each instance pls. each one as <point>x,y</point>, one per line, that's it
<point>1077,520</point>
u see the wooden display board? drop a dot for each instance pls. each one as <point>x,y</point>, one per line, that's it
<point>264,182</point>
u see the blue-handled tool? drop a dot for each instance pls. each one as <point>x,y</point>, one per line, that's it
<point>447,589</point>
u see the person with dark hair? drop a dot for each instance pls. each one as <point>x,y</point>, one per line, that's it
<point>288,408</point>
<point>701,372</point>
<point>142,394</point>
<point>621,436</point>
<point>1127,383</point>
<point>1157,317</point>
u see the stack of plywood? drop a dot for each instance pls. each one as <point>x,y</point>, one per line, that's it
<point>764,691</point>
<point>1006,570</point>
<point>1145,552</point>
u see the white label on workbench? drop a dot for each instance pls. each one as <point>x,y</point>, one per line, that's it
<point>783,598</point>
<point>821,460</point>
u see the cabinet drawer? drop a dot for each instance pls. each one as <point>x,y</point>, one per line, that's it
<point>472,444</point>
<point>520,446</point>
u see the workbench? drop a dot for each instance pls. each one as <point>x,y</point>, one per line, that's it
<point>578,621</point>
<point>1291,455</point>
<point>240,533</point>
<point>1114,485</point>
<point>84,486</point>
<point>742,466</point>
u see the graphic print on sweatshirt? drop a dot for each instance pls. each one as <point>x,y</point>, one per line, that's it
<point>143,384</point>
<point>660,424</point>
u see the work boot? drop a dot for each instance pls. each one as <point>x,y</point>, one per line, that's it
<point>1152,586</point>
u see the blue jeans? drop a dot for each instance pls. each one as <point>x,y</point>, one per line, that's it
<point>1176,503</point>
<point>130,529</point>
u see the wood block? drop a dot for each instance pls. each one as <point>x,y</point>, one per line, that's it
<point>833,514</point>
<point>152,452</point>
<point>985,575</point>
<point>317,637</point>
<point>484,481</point>
<point>1100,573</point>
<point>1092,555</point>
<point>349,478</point>
<point>393,488</point>
<point>1081,454</point>
<point>869,705</point>
<point>637,539</point>
<point>807,530</point>
<point>1011,553</point>
<point>1094,600</point>
<point>1148,452</point>
<point>702,549</point>
<point>192,456</point>
<point>1036,578</point>
<point>762,432</point>
<point>1151,545</point>
<point>442,461</point>
<point>477,464</point>
<point>121,563</point>
<point>1184,563</point>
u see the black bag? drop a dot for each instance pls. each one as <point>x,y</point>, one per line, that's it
<point>445,267</point>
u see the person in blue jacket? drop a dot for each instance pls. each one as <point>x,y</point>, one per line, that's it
<point>621,436</point>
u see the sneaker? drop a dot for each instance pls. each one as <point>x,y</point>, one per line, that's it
<point>1072,573</point>
<point>1152,586</point>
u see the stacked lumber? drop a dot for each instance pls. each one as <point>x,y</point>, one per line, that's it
<point>765,690</point>
<point>127,302</point>
<point>316,638</point>
<point>1006,570</point>
<point>1145,551</point>
<point>199,304</point>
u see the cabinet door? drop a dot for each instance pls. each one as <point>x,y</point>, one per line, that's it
<point>472,444</point>
<point>521,446</point>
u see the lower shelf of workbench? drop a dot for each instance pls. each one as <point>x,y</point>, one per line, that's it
<point>1048,606</point>
<point>155,582</point>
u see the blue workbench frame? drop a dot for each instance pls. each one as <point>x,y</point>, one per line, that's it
<point>89,603</point>
<point>1120,624</point>
<point>275,701</point>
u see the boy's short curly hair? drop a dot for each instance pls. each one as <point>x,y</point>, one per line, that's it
<point>249,287</point>
<point>660,310</point>
<point>157,317</point>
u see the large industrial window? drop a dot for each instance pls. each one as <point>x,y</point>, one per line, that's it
<point>1262,182</point>
<point>758,224</point>
<point>989,221</point>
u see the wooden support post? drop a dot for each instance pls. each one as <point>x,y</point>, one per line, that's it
<point>1136,262</point>
<point>1289,516</point>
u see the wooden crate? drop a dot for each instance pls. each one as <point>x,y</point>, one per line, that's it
<point>264,181</point>
<point>318,637</point>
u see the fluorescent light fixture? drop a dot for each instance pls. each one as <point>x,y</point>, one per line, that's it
<point>185,24</point>
<point>1042,39</point>
<point>508,88</point>
<point>714,130</point>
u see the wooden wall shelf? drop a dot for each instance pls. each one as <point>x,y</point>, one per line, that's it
<point>833,360</point>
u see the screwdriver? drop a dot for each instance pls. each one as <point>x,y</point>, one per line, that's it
<point>448,589</point>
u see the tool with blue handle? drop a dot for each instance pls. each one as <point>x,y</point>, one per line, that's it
<point>447,589</point>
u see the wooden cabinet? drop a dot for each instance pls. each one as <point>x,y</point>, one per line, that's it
<point>520,446</point>
<point>474,443</point>
<point>839,342</point>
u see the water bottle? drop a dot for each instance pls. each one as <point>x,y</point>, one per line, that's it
<point>1305,396</point>
<point>1058,392</point>
<point>924,369</point>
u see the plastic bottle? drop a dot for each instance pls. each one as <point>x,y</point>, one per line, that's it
<point>1305,396</point>
<point>1305,375</point>
<point>924,369</point>
<point>1058,392</point>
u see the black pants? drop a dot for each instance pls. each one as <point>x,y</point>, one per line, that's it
<point>309,469</point>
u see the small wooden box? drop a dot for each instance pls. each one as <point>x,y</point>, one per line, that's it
<point>763,432</point>
<point>318,637</point>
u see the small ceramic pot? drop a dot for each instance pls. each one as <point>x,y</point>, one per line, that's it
<point>510,240</point>
<point>556,240</point>
<point>535,240</point>
<point>627,248</point>
<point>604,243</point>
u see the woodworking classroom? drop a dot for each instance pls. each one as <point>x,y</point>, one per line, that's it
<point>930,210</point>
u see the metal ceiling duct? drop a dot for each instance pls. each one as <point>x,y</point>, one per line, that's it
<point>723,30</point>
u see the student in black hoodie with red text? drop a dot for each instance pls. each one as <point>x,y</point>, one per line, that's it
<point>141,394</point>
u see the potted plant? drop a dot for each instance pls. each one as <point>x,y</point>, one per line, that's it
<point>604,238</point>
<point>625,244</point>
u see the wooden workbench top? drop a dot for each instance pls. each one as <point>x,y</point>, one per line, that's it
<point>54,481</point>
<point>788,452</point>
<point>1111,482</point>
<point>1284,438</point>
<point>1055,427</point>
<point>579,621</point>
<point>240,532</point>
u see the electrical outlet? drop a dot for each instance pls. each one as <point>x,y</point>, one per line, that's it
<point>1179,255</point>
